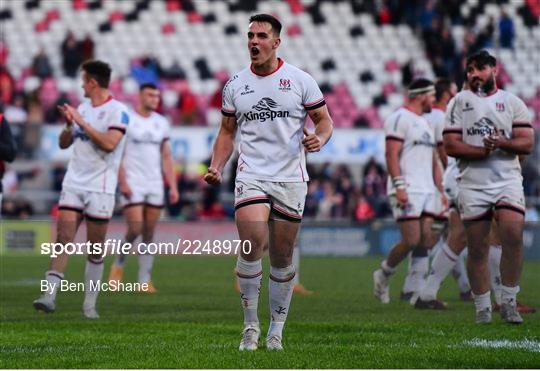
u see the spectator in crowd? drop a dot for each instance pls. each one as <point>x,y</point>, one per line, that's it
<point>506,31</point>
<point>71,55</point>
<point>86,47</point>
<point>7,86</point>
<point>374,188</point>
<point>41,65</point>
<point>8,149</point>
<point>16,112</point>
<point>146,70</point>
<point>364,212</point>
<point>187,106</point>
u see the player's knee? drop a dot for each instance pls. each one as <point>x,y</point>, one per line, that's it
<point>478,253</point>
<point>134,230</point>
<point>412,243</point>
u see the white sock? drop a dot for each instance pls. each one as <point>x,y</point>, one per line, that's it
<point>387,270</point>
<point>296,263</point>
<point>145,267</point>
<point>53,278</point>
<point>460,275</point>
<point>280,290</point>
<point>416,273</point>
<point>442,264</point>
<point>508,294</point>
<point>92,273</point>
<point>482,301</point>
<point>249,277</point>
<point>495,253</point>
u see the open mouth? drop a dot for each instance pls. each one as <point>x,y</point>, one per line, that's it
<point>254,51</point>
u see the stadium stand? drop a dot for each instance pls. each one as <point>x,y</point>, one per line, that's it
<point>362,53</point>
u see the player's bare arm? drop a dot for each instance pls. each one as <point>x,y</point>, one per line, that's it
<point>438,177</point>
<point>106,141</point>
<point>313,142</point>
<point>443,157</point>
<point>167,164</point>
<point>455,147</point>
<point>223,149</point>
<point>125,189</point>
<point>393,148</point>
<point>66,136</point>
<point>521,143</point>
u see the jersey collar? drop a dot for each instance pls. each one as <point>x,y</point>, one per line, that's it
<point>280,63</point>
<point>109,98</point>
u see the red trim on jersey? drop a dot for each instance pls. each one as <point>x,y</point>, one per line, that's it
<point>109,98</point>
<point>452,131</point>
<point>280,63</point>
<point>487,215</point>
<point>287,213</point>
<point>119,128</point>
<point>523,124</point>
<point>252,199</point>
<point>393,137</point>
<point>314,103</point>
<point>509,206</point>
<point>487,95</point>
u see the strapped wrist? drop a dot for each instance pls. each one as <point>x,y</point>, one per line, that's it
<point>399,182</point>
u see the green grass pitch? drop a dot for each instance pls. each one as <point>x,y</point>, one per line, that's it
<point>195,322</point>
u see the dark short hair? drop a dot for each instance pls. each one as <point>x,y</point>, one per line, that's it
<point>442,85</point>
<point>148,85</point>
<point>419,87</point>
<point>481,58</point>
<point>99,71</point>
<point>276,25</point>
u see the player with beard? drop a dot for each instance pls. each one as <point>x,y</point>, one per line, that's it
<point>414,177</point>
<point>268,103</point>
<point>486,130</point>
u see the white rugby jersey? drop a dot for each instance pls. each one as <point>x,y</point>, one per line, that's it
<point>271,112</point>
<point>436,120</point>
<point>142,156</point>
<point>91,168</point>
<point>416,156</point>
<point>475,117</point>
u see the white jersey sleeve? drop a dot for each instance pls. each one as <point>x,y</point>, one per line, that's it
<point>395,128</point>
<point>227,105</point>
<point>312,96</point>
<point>453,122</point>
<point>520,113</point>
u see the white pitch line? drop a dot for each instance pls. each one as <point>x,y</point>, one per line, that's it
<point>530,345</point>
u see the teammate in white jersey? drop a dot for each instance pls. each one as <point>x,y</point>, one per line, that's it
<point>147,158</point>
<point>268,102</point>
<point>90,182</point>
<point>414,177</point>
<point>486,130</point>
<point>446,258</point>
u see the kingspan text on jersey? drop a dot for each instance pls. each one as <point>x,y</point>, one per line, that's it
<point>265,115</point>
